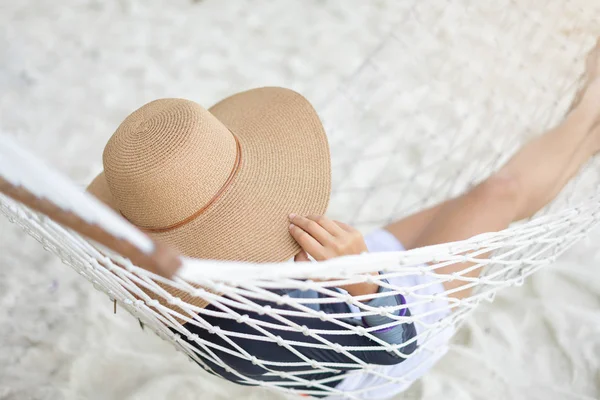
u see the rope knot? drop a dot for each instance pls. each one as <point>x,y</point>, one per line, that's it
<point>279,340</point>
<point>176,301</point>
<point>265,310</point>
<point>243,319</point>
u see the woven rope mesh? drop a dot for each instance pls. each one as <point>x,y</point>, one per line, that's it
<point>387,116</point>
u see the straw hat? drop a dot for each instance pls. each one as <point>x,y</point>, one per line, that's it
<point>219,183</point>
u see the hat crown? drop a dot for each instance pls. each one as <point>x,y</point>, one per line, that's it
<point>166,161</point>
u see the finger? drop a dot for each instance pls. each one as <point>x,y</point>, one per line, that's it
<point>331,227</point>
<point>345,227</point>
<point>314,229</point>
<point>301,257</point>
<point>308,243</point>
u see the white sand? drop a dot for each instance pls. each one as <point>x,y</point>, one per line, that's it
<point>69,73</point>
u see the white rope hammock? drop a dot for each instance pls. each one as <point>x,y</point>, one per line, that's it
<point>374,127</point>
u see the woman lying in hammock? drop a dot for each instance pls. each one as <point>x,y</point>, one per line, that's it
<point>249,180</point>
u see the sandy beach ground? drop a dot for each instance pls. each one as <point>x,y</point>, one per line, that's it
<point>71,70</point>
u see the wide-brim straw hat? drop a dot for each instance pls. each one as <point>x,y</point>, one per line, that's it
<point>219,183</point>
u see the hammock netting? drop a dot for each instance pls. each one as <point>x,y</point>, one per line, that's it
<point>386,118</point>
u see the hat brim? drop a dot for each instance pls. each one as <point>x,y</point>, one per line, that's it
<point>285,168</point>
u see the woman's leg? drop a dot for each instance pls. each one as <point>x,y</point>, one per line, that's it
<point>524,185</point>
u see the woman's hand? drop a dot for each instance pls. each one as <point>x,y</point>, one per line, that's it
<point>323,239</point>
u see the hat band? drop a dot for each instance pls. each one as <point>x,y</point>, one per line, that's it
<point>232,175</point>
